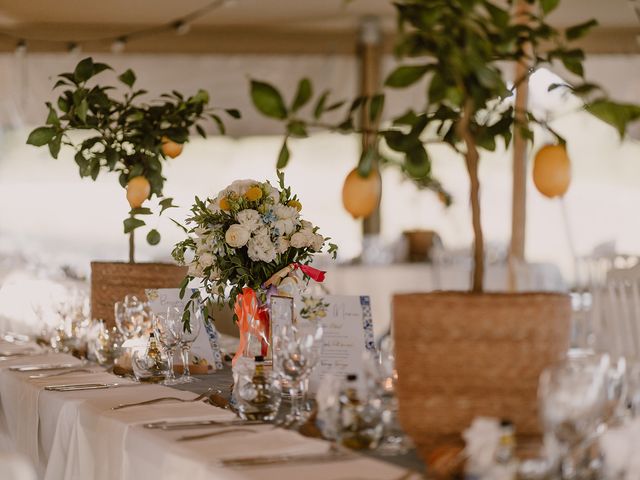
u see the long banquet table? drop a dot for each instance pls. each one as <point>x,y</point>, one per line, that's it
<point>77,435</point>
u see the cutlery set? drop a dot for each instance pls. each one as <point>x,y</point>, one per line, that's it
<point>190,424</point>
<point>75,387</point>
<point>199,398</point>
<point>333,455</point>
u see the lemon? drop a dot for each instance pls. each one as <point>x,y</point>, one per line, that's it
<point>361,196</point>
<point>552,171</point>
<point>138,190</point>
<point>170,148</point>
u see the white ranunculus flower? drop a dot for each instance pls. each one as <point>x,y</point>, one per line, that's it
<point>240,187</point>
<point>283,212</point>
<point>206,259</point>
<point>250,219</point>
<point>300,239</point>
<point>261,248</point>
<point>285,226</point>
<point>274,193</point>
<point>317,241</point>
<point>306,225</point>
<point>282,245</point>
<point>237,235</point>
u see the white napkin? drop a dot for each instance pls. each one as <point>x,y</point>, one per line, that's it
<point>620,446</point>
<point>482,439</point>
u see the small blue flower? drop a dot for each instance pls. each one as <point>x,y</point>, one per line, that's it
<point>269,217</point>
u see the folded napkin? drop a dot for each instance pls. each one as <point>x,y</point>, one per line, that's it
<point>481,439</point>
<point>620,447</point>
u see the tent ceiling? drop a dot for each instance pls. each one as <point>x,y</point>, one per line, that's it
<point>244,25</point>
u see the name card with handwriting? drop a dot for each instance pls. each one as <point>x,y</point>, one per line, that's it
<point>206,344</point>
<point>347,333</point>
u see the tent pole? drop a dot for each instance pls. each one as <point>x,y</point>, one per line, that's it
<point>369,59</point>
<point>519,192</point>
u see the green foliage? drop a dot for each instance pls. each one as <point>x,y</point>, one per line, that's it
<point>126,136</point>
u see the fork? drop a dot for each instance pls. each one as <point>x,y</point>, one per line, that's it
<point>199,398</point>
<point>186,438</point>
<point>47,375</point>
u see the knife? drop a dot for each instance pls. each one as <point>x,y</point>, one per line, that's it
<point>72,387</point>
<point>43,367</point>
<point>179,425</point>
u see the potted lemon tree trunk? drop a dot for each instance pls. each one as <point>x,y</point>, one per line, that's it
<point>463,354</point>
<point>132,140</point>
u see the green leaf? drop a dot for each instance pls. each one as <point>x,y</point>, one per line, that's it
<point>52,117</point>
<point>267,100</point>
<point>318,110</point>
<point>549,5</point>
<point>417,162</point>
<point>580,30</point>
<point>297,128</point>
<point>41,136</point>
<point>112,157</point>
<point>219,123</point>
<point>153,237</point>
<point>233,112</point>
<point>574,65</point>
<point>283,156</point>
<point>165,204</point>
<point>63,105</point>
<point>100,67</point>
<point>54,145</point>
<point>375,107</point>
<point>128,78</point>
<point>140,211</point>
<point>201,131</point>
<point>84,70</point>
<point>553,86</point>
<point>303,95</point>
<point>82,109</point>
<point>130,224</point>
<point>616,114</point>
<point>406,75</point>
<point>201,97</point>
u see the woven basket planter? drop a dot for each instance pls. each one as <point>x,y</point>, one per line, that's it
<point>110,282</point>
<point>461,355</point>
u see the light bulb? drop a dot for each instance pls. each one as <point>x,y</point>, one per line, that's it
<point>119,45</point>
<point>21,48</point>
<point>181,27</point>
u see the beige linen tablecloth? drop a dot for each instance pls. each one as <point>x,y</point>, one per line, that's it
<point>77,435</point>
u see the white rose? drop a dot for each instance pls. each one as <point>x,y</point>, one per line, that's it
<point>237,236</point>
<point>306,225</point>
<point>300,239</point>
<point>317,241</point>
<point>240,187</point>
<point>206,259</point>
<point>250,219</point>
<point>261,248</point>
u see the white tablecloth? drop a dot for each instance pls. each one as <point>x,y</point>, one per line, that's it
<point>77,435</point>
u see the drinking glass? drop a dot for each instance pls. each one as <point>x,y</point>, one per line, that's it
<point>296,352</point>
<point>187,338</point>
<point>573,404</point>
<point>168,332</point>
<point>130,316</point>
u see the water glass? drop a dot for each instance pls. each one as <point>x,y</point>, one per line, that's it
<point>187,337</point>
<point>168,332</point>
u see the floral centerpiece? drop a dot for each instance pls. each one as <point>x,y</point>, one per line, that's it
<point>244,243</point>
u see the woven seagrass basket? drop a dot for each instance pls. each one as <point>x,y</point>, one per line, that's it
<point>111,281</point>
<point>460,355</point>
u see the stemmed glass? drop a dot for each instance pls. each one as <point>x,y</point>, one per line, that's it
<point>296,352</point>
<point>186,340</point>
<point>574,400</point>
<point>168,332</point>
<point>130,316</point>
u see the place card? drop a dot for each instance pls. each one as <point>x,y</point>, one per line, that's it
<point>207,343</point>
<point>347,333</point>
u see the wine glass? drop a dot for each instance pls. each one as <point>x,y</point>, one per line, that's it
<point>168,331</point>
<point>573,404</point>
<point>130,316</point>
<point>186,340</point>
<point>296,352</point>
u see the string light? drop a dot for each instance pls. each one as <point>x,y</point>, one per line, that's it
<point>74,48</point>
<point>21,47</point>
<point>181,26</point>
<point>119,45</point>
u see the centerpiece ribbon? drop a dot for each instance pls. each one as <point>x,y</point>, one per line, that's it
<point>313,273</point>
<point>253,319</point>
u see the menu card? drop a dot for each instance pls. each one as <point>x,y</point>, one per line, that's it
<point>347,333</point>
<point>207,344</point>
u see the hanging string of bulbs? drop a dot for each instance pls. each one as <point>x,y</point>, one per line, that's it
<point>181,26</point>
